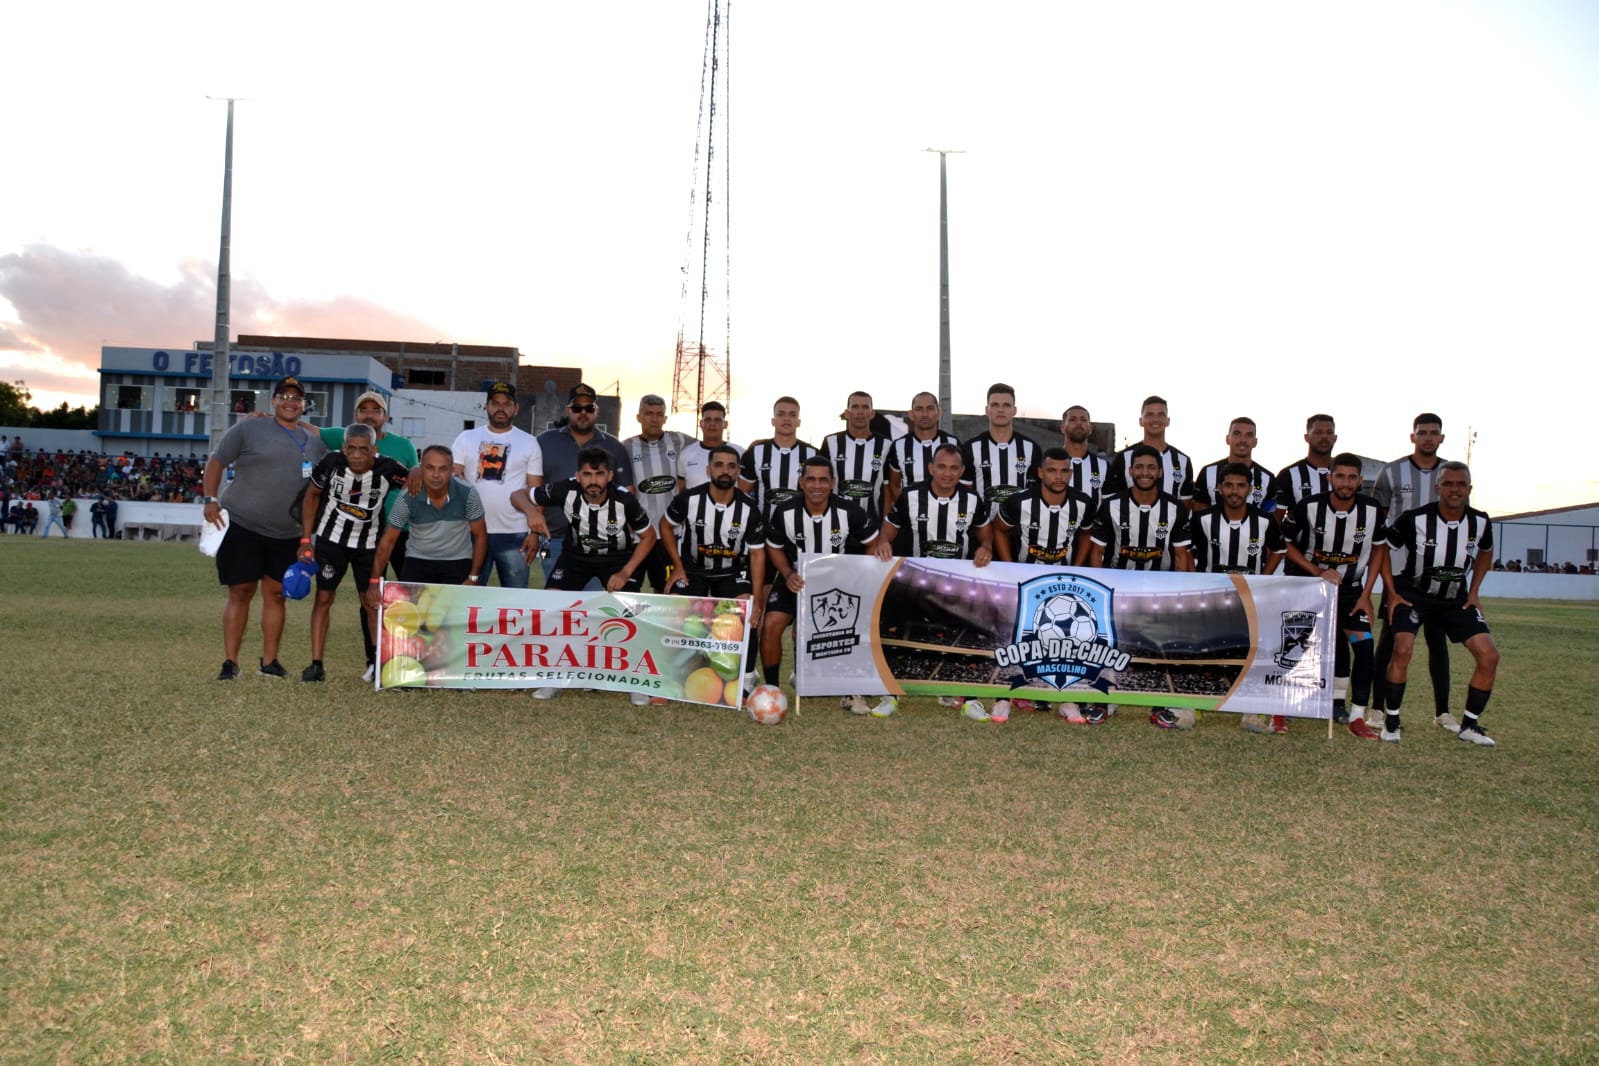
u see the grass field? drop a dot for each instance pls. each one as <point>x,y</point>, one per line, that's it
<point>272,871</point>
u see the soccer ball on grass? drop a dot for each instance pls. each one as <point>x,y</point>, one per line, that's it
<point>767,704</point>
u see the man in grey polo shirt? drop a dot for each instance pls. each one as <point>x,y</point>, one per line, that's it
<point>560,447</point>
<point>655,453</point>
<point>449,539</point>
<point>272,459</point>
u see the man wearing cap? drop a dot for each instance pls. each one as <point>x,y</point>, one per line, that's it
<point>497,459</point>
<point>272,460</point>
<point>654,454</point>
<point>371,409</point>
<point>561,446</point>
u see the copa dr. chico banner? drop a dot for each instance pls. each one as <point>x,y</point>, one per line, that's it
<point>1255,645</point>
<point>454,636</point>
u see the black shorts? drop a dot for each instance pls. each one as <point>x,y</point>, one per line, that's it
<point>573,571</point>
<point>246,557</point>
<point>1352,623</point>
<point>722,586</point>
<point>332,560</point>
<point>780,600</point>
<point>1460,623</point>
<point>435,571</point>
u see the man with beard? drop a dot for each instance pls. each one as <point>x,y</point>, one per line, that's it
<point>1241,450</point>
<point>608,535</point>
<point>654,454</point>
<point>1338,535</point>
<point>1446,548</point>
<point>944,519</point>
<point>561,447</point>
<point>819,522</point>
<point>693,462</point>
<point>1308,477</point>
<point>498,460</point>
<point>715,541</point>
<point>1143,528</point>
<point>859,456</point>
<point>1177,470</point>
<point>1234,537</point>
<point>1090,470</point>
<point>911,456</point>
<point>344,535</point>
<point>272,459</point>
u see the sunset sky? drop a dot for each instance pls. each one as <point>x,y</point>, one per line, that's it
<point>1270,209</point>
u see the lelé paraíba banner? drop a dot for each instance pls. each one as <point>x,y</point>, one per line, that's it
<point>1255,645</point>
<point>455,636</point>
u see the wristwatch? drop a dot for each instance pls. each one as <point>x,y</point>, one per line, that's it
<point>207,499</point>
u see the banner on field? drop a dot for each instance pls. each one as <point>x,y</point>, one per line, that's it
<point>457,636</point>
<point>1255,645</point>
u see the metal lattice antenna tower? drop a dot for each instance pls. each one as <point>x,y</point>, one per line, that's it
<point>703,367</point>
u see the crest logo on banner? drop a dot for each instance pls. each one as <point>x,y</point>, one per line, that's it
<point>833,617</point>
<point>1065,633</point>
<point>1299,631</point>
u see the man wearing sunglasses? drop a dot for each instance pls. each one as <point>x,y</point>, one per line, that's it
<point>561,446</point>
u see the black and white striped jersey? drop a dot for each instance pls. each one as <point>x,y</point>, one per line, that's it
<point>655,469</point>
<point>1177,472</point>
<point>773,471</point>
<point>995,470</point>
<point>1141,537</point>
<point>609,529</point>
<point>1300,482</point>
<point>352,504</point>
<point>1089,475</point>
<point>1439,554</point>
<point>1262,486</point>
<point>1403,486</point>
<point>1045,533</point>
<point>913,458</point>
<point>716,538</point>
<point>1340,540</point>
<point>860,464</point>
<point>937,527</point>
<point>843,528</point>
<point>1222,546</point>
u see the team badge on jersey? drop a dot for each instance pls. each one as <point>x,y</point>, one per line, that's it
<point>1065,633</point>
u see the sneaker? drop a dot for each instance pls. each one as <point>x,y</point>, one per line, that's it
<point>752,681</point>
<point>1447,721</point>
<point>1161,718</point>
<point>229,672</point>
<point>1023,705</point>
<point>1185,717</point>
<point>885,707</point>
<point>639,699</point>
<point>370,673</point>
<point>1096,715</point>
<point>1362,730</point>
<point>659,701</point>
<point>546,693</point>
<point>1001,712</point>
<point>272,669</point>
<point>1388,736</point>
<point>950,701</point>
<point>1279,724</point>
<point>974,710</point>
<point>1072,713</point>
<point>855,705</point>
<point>1475,735</point>
<point>1255,723</point>
<point>314,672</point>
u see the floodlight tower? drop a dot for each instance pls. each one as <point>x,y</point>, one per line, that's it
<point>703,368</point>
<point>946,420</point>
<point>218,406</point>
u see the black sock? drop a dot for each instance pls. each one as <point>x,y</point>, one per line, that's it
<point>1390,720</point>
<point>771,672</point>
<point>1476,701</point>
<point>1396,695</point>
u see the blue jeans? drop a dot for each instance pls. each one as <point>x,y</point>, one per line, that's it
<point>55,520</point>
<point>505,553</point>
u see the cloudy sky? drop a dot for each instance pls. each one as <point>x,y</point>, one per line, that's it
<point>1251,208</point>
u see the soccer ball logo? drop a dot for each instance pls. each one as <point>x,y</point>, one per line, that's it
<point>767,704</point>
<point>1065,617</point>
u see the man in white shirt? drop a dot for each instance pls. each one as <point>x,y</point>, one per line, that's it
<point>497,459</point>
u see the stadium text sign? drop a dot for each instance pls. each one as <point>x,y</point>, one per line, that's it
<point>449,636</point>
<point>1256,645</point>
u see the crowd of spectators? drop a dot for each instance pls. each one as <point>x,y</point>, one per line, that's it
<point>1516,566</point>
<point>40,474</point>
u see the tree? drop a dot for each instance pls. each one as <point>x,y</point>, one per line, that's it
<point>15,401</point>
<point>62,417</point>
